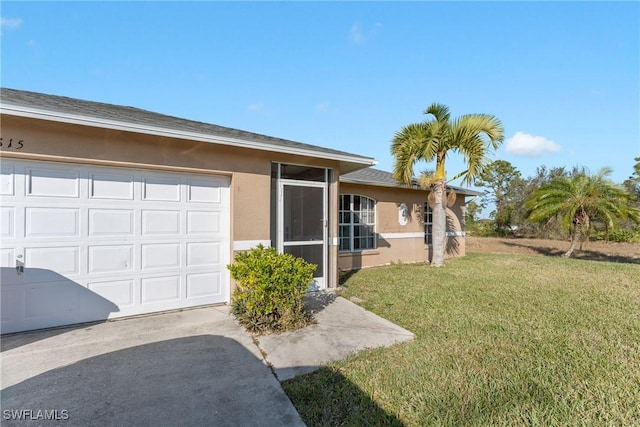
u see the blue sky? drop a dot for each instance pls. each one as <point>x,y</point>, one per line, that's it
<point>563,77</point>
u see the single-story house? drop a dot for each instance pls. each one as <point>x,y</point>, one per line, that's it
<point>112,211</point>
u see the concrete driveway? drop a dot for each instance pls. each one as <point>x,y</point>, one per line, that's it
<point>195,367</point>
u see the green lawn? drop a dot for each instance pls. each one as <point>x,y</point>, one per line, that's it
<point>500,340</point>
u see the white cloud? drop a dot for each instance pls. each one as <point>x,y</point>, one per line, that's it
<point>359,35</point>
<point>262,109</point>
<point>323,107</point>
<point>523,144</point>
<point>257,106</point>
<point>10,23</point>
<point>355,34</point>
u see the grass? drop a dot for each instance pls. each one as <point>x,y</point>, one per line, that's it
<point>500,340</point>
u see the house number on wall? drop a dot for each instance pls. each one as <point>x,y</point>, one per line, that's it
<point>10,143</point>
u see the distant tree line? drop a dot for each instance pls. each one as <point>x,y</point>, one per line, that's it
<point>556,203</point>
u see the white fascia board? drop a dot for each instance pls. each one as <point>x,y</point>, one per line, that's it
<point>417,235</point>
<point>170,133</point>
<point>463,191</point>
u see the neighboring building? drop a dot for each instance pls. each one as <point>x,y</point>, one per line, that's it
<point>111,211</point>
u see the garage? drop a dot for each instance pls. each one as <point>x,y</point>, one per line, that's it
<point>86,243</point>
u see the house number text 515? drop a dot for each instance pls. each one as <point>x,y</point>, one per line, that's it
<point>11,143</point>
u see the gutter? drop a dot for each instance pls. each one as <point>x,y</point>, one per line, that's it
<point>458,190</point>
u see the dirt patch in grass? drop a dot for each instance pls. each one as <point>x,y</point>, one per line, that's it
<point>597,251</point>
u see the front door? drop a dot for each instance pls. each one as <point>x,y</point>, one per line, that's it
<point>303,224</point>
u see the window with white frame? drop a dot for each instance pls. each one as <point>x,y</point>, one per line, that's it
<point>428,224</point>
<point>357,222</point>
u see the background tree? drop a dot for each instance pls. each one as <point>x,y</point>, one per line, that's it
<point>633,183</point>
<point>471,135</point>
<point>472,213</point>
<point>580,198</point>
<point>504,187</point>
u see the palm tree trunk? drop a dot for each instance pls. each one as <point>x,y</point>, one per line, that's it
<point>439,225</point>
<point>575,236</point>
<point>579,219</point>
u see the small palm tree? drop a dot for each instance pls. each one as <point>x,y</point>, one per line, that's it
<point>471,135</point>
<point>579,199</point>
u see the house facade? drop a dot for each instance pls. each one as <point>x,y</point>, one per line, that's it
<point>111,211</point>
<point>397,217</point>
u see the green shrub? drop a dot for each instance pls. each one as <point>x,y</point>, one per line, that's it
<point>270,290</point>
<point>624,236</point>
<point>482,229</point>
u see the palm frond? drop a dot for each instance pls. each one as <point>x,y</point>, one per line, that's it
<point>598,196</point>
<point>426,179</point>
<point>474,136</point>
<point>439,111</point>
<point>408,147</point>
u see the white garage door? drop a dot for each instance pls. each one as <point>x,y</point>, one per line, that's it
<point>100,242</point>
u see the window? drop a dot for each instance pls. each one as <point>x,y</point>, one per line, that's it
<point>428,224</point>
<point>357,223</point>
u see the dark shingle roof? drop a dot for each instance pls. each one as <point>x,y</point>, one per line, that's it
<point>371,175</point>
<point>377,177</point>
<point>131,115</point>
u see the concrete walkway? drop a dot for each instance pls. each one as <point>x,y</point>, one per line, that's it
<point>194,367</point>
<point>342,328</point>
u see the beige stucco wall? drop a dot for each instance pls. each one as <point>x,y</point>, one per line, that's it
<point>394,244</point>
<point>249,170</point>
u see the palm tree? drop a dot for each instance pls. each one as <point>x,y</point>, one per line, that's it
<point>579,198</point>
<point>471,135</point>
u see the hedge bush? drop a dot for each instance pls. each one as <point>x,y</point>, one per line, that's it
<point>270,290</point>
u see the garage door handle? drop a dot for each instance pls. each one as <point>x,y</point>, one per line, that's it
<point>19,267</point>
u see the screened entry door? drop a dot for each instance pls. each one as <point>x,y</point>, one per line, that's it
<point>303,224</point>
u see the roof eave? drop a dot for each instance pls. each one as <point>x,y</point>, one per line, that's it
<point>347,163</point>
<point>459,190</point>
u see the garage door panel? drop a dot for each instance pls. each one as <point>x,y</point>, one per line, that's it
<point>161,255</point>
<point>111,222</point>
<point>204,222</point>
<point>53,183</point>
<point>54,222</point>
<point>7,215</point>
<point>100,242</point>
<point>28,277</point>
<point>161,189</point>
<point>111,186</point>
<point>61,259</point>
<point>203,254</point>
<point>7,181</point>
<point>160,222</point>
<point>160,289</point>
<point>204,285</point>
<point>64,302</point>
<point>7,257</point>
<point>116,258</point>
<point>53,300</point>
<point>204,191</point>
<point>119,292</point>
